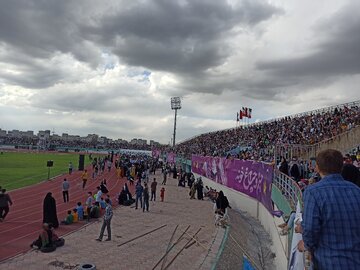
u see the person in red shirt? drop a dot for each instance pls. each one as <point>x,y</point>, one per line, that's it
<point>162,194</point>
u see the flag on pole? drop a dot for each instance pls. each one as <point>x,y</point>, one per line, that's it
<point>246,112</point>
<point>237,117</point>
<point>249,113</point>
<point>241,115</point>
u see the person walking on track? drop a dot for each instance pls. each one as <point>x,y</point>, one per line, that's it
<point>65,190</point>
<point>49,210</point>
<point>84,178</point>
<point>4,204</point>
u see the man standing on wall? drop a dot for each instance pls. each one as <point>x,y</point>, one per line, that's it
<point>331,217</point>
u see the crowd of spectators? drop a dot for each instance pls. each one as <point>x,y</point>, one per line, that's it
<point>259,139</point>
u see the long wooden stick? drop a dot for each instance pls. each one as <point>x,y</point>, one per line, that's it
<point>137,237</point>
<point>173,245</point>
<point>197,241</point>
<point>181,249</point>
<point>168,247</point>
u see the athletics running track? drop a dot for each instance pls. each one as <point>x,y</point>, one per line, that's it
<point>24,221</point>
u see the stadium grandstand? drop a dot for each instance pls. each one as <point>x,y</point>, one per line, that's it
<point>281,152</point>
<point>257,141</point>
<point>290,144</point>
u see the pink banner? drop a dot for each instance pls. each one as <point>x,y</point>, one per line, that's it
<point>171,157</point>
<point>155,153</point>
<point>249,177</point>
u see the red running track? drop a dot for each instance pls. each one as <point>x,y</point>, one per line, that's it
<point>23,223</point>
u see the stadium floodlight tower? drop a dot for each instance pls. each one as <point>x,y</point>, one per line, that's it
<point>175,105</point>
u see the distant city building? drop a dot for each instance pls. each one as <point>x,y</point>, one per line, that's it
<point>3,133</point>
<point>103,140</point>
<point>44,139</point>
<point>153,143</point>
<point>56,137</point>
<point>91,138</point>
<point>14,133</point>
<point>121,141</point>
<point>28,134</point>
<point>138,142</point>
<point>44,134</point>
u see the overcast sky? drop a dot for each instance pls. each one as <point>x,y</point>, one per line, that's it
<point>111,67</point>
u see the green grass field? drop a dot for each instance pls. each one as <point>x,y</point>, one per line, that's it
<point>24,169</point>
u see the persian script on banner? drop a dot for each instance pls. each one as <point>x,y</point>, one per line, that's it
<point>246,176</point>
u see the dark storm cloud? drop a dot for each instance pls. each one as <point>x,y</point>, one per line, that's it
<point>336,54</point>
<point>173,36</point>
<point>177,36</point>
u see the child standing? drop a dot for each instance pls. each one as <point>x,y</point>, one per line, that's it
<point>80,210</point>
<point>162,194</point>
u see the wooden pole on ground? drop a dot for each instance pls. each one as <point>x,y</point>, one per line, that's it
<point>177,241</point>
<point>168,247</point>
<point>197,241</point>
<point>182,249</point>
<point>137,237</point>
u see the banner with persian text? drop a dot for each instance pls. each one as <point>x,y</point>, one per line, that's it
<point>246,176</point>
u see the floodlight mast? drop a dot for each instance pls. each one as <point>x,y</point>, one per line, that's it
<point>175,105</point>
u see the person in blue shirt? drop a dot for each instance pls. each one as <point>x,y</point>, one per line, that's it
<point>331,216</point>
<point>102,203</point>
<point>80,210</point>
<point>138,191</point>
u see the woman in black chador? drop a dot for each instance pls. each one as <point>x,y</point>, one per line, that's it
<point>49,214</point>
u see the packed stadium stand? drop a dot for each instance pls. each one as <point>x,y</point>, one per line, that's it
<point>288,143</point>
<point>257,141</point>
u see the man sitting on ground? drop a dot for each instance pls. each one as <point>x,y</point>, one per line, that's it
<point>95,211</point>
<point>75,215</point>
<point>45,238</point>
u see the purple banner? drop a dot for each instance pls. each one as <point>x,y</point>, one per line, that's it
<point>171,157</point>
<point>249,177</point>
<point>155,153</point>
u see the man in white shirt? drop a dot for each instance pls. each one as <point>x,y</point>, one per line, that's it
<point>98,195</point>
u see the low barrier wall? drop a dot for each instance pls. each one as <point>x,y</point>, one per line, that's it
<point>243,202</point>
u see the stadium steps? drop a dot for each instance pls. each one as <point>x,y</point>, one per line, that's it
<point>343,142</point>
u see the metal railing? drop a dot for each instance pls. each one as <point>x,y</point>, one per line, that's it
<point>289,188</point>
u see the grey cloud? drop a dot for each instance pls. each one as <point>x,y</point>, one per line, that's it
<point>174,36</point>
<point>182,37</point>
<point>338,52</point>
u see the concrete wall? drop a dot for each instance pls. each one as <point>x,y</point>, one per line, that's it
<point>243,202</point>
